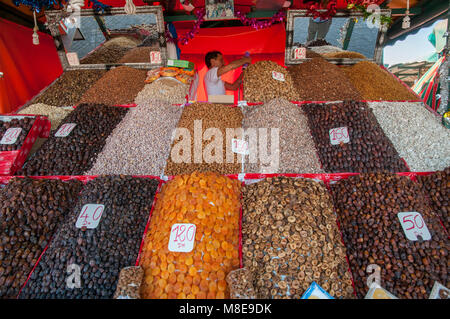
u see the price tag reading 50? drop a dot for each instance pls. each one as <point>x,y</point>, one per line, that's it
<point>182,237</point>
<point>338,135</point>
<point>414,226</point>
<point>90,216</point>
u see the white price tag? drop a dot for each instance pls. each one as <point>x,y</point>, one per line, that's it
<point>72,58</point>
<point>239,146</point>
<point>155,57</point>
<point>439,291</point>
<point>414,226</point>
<point>242,103</point>
<point>90,216</point>
<point>11,135</point>
<point>65,129</point>
<point>338,135</point>
<point>182,237</point>
<point>299,53</point>
<point>278,76</point>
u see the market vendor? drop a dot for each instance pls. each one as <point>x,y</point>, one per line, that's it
<point>216,68</point>
<point>318,27</point>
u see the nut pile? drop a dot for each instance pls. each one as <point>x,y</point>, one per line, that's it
<point>326,49</point>
<point>367,206</point>
<point>68,89</point>
<point>374,83</point>
<point>240,283</point>
<point>260,86</point>
<point>319,80</point>
<point>416,133</point>
<point>317,43</point>
<point>297,153</point>
<point>140,144</point>
<point>186,158</point>
<point>75,153</point>
<point>30,212</point>
<point>290,239</point>
<point>106,54</point>
<point>368,150</point>
<point>437,187</point>
<point>25,124</point>
<point>343,55</point>
<point>212,203</point>
<point>99,253</point>
<point>164,89</point>
<point>137,55</point>
<point>54,113</point>
<point>118,86</point>
<point>129,283</point>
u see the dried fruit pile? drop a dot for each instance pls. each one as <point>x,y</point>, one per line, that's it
<point>368,149</point>
<point>106,54</point>
<point>30,212</point>
<point>137,55</point>
<point>343,55</point>
<point>374,83</point>
<point>319,80</point>
<point>164,89</point>
<point>118,86</point>
<point>7,123</point>
<point>98,253</point>
<point>75,153</point>
<point>69,88</point>
<point>209,153</point>
<point>290,239</point>
<point>211,203</point>
<point>437,187</point>
<point>260,85</point>
<point>367,207</point>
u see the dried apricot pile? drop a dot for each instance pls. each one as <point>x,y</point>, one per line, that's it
<point>212,203</point>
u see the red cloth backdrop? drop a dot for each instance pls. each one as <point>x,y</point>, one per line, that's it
<point>27,68</point>
<point>266,44</point>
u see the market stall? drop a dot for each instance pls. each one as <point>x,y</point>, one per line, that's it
<point>327,178</point>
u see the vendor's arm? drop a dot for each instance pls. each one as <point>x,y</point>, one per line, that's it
<point>235,85</point>
<point>233,65</point>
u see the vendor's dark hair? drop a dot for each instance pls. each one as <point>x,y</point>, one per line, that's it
<point>211,55</point>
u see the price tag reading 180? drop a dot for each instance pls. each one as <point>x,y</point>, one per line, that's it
<point>182,237</point>
<point>338,135</point>
<point>90,216</point>
<point>65,129</point>
<point>414,226</point>
<point>299,53</point>
<point>278,76</point>
<point>11,135</point>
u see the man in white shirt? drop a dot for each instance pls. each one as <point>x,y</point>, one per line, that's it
<point>216,66</point>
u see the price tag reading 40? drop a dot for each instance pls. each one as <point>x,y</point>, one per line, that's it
<point>11,135</point>
<point>182,237</point>
<point>90,216</point>
<point>338,135</point>
<point>414,226</point>
<point>65,129</point>
<point>278,76</point>
<point>239,146</point>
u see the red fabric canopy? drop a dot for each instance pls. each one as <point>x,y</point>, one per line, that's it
<point>27,68</point>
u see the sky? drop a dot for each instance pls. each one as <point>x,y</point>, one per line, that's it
<point>415,47</point>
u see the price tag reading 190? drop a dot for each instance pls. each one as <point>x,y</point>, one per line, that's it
<point>278,76</point>
<point>414,226</point>
<point>338,135</point>
<point>90,216</point>
<point>11,135</point>
<point>182,237</point>
<point>65,129</point>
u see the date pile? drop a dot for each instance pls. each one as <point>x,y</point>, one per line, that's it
<point>367,206</point>
<point>210,202</point>
<point>290,239</point>
<point>368,149</point>
<point>261,86</point>
<point>201,142</point>
<point>75,153</point>
<point>30,212</point>
<point>96,255</point>
<point>320,80</point>
<point>437,187</point>
<point>25,124</point>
